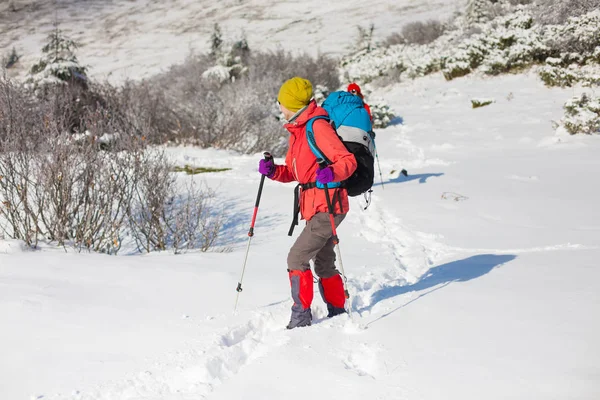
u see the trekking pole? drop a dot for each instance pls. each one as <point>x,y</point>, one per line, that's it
<point>379,167</point>
<point>377,157</point>
<point>336,240</point>
<point>268,157</point>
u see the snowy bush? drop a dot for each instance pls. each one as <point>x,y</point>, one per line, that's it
<point>577,35</point>
<point>381,112</point>
<point>58,63</point>
<point>582,115</point>
<point>568,76</point>
<point>508,43</point>
<point>477,103</point>
<point>478,11</point>
<point>11,59</point>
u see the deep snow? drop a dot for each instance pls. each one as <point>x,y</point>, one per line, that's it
<point>474,277</point>
<point>492,296</point>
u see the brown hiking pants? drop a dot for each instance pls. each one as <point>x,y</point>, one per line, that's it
<point>315,243</point>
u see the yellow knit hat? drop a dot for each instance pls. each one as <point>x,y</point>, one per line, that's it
<point>295,93</point>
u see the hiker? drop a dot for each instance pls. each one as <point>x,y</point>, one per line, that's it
<point>355,90</point>
<point>315,242</point>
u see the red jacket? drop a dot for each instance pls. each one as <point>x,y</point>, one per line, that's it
<point>368,110</point>
<point>301,163</point>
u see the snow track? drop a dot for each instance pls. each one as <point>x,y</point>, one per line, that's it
<point>194,373</point>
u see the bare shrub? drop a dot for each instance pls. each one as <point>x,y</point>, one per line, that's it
<point>364,38</point>
<point>394,39</point>
<point>75,189</point>
<point>556,12</point>
<point>153,192</point>
<point>422,32</point>
<point>520,2</point>
<point>239,114</point>
<point>191,221</point>
<point>161,217</point>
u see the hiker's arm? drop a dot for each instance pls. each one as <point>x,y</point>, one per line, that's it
<point>283,174</point>
<point>343,162</point>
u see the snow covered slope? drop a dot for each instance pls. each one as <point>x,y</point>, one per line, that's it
<point>136,38</point>
<point>474,277</point>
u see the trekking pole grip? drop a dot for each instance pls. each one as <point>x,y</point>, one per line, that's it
<point>268,157</point>
<point>322,165</point>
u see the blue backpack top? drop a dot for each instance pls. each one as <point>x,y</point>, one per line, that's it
<point>351,121</point>
<point>347,109</point>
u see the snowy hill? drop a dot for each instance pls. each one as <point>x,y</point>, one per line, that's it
<point>473,278</point>
<point>134,39</point>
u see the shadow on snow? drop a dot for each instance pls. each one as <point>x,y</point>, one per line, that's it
<point>455,271</point>
<point>422,178</point>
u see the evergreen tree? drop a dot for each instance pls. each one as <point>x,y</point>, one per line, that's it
<point>58,63</point>
<point>12,59</point>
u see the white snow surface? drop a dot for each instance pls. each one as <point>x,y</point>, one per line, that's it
<point>474,277</point>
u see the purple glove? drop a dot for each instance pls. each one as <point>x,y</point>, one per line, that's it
<point>267,168</point>
<point>325,175</point>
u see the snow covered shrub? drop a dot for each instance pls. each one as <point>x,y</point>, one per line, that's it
<point>577,38</point>
<point>58,63</point>
<point>582,115</point>
<point>381,112</point>
<point>478,11</point>
<point>576,49</point>
<point>477,103</point>
<point>11,59</point>
<point>230,58</point>
<point>588,75</point>
<point>509,44</point>
<point>553,75</point>
<point>320,93</point>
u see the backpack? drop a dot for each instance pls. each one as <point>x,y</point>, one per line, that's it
<point>352,123</point>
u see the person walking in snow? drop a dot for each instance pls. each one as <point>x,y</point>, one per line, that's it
<point>355,90</point>
<point>315,242</point>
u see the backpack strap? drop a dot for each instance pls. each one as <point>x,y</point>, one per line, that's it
<point>310,137</point>
<point>312,143</point>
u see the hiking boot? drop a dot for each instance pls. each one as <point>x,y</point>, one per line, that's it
<point>332,292</point>
<point>300,319</point>
<point>333,311</point>
<point>302,286</point>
